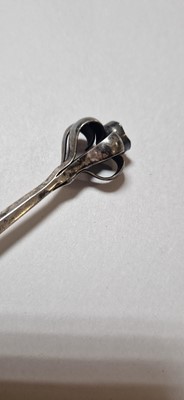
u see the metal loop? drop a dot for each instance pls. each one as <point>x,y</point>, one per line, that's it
<point>91,128</point>
<point>119,161</point>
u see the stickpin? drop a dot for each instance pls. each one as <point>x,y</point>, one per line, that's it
<point>104,142</point>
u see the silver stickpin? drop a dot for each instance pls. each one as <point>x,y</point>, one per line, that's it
<point>104,142</point>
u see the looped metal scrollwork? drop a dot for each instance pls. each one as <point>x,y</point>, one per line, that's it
<point>94,133</point>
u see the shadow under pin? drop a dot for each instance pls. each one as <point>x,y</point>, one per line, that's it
<point>104,142</point>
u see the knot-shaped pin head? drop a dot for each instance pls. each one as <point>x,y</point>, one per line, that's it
<point>104,142</point>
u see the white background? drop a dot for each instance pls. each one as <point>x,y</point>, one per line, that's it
<point>92,280</point>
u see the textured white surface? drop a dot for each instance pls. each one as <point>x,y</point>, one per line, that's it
<point>91,288</point>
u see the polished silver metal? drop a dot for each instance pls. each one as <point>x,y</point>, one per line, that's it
<point>104,142</point>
